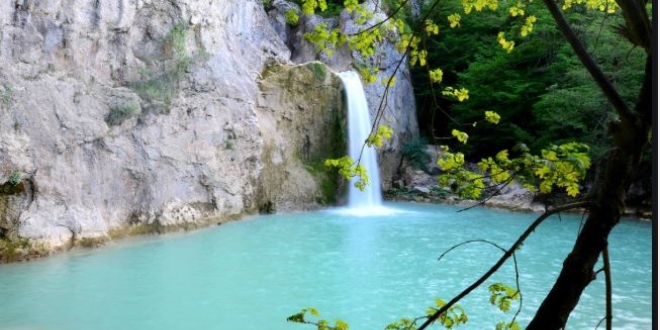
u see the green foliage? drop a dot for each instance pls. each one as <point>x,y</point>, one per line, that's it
<point>403,324</point>
<point>320,324</point>
<point>573,105</point>
<point>325,40</point>
<point>15,177</point>
<point>465,183</point>
<point>328,182</point>
<point>309,6</point>
<point>415,152</point>
<point>323,8</point>
<point>348,168</point>
<point>507,84</point>
<point>503,75</point>
<point>454,316</point>
<point>159,82</point>
<point>502,295</point>
<point>92,242</point>
<point>19,249</point>
<point>174,46</point>
<point>155,89</point>
<point>462,137</point>
<point>458,94</point>
<point>540,90</point>
<point>562,166</point>
<point>6,95</point>
<point>508,326</point>
<point>291,17</point>
<point>492,117</point>
<point>10,249</point>
<point>117,115</point>
<point>319,70</point>
<point>378,138</point>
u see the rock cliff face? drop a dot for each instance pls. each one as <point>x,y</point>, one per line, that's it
<point>398,105</point>
<point>155,112</point>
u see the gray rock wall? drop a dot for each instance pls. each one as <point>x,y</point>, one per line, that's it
<point>141,112</point>
<point>397,104</point>
<point>116,113</point>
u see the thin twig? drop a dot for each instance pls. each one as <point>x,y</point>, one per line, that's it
<point>594,70</point>
<point>487,198</point>
<point>520,305</point>
<point>515,267</point>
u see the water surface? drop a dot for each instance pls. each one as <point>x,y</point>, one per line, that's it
<point>368,271</point>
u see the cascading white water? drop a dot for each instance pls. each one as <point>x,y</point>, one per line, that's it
<point>359,128</point>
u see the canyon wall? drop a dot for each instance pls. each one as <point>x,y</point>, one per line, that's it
<point>131,112</point>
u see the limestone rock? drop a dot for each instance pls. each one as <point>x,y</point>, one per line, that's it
<point>398,107</point>
<point>424,191</point>
<point>133,111</point>
<point>123,112</point>
<point>516,198</point>
<point>413,177</point>
<point>302,123</point>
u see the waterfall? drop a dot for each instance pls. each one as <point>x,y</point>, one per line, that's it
<point>359,128</point>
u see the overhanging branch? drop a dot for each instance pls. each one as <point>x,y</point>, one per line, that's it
<point>501,261</point>
<point>594,70</point>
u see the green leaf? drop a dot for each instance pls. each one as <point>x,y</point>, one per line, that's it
<point>341,325</point>
<point>297,318</point>
<point>313,311</point>
<point>502,156</point>
<point>492,117</point>
<point>436,75</point>
<point>460,136</point>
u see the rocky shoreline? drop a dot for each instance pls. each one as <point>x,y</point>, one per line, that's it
<point>524,202</point>
<point>418,182</point>
<point>25,250</point>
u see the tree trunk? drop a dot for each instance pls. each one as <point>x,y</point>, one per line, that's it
<point>608,196</point>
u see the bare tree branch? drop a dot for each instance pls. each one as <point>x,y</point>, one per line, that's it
<point>501,261</point>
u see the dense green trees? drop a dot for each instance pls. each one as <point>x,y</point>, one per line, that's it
<point>541,90</point>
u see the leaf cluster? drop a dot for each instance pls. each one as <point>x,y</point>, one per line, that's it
<point>562,166</point>
<point>454,316</point>
<point>378,138</point>
<point>502,296</point>
<point>541,91</point>
<point>415,151</point>
<point>15,177</point>
<point>320,324</point>
<point>348,168</point>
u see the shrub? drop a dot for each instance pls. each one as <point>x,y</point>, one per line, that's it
<point>6,95</point>
<point>117,115</point>
<point>14,178</point>
<point>415,152</point>
<point>291,17</point>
